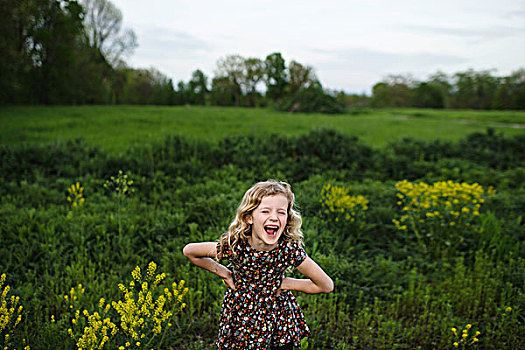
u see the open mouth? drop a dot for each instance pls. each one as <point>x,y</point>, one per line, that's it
<point>271,230</point>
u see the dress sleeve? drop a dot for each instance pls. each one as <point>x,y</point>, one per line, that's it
<point>227,252</point>
<point>297,254</point>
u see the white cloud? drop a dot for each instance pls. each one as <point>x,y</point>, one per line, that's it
<point>489,32</point>
<point>160,43</point>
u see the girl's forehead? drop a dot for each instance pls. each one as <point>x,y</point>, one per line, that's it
<point>277,200</point>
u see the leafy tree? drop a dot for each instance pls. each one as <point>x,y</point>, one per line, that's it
<point>182,94</point>
<point>393,91</point>
<point>39,46</point>
<point>118,82</point>
<point>441,81</point>
<point>381,95</point>
<point>275,76</point>
<point>353,100</point>
<point>104,35</point>
<point>510,94</point>
<point>427,95</point>
<point>53,47</point>
<point>253,73</point>
<point>95,80</point>
<point>223,92</point>
<point>163,91</point>
<point>198,88</point>
<point>474,90</point>
<point>300,77</point>
<point>48,56</point>
<point>147,86</point>
<point>15,63</point>
<point>231,68</point>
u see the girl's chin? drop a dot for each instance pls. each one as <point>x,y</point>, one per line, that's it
<point>268,241</point>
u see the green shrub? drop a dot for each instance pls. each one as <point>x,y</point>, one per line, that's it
<point>312,99</point>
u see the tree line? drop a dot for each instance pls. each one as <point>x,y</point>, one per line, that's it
<point>470,89</point>
<point>238,82</point>
<point>73,52</point>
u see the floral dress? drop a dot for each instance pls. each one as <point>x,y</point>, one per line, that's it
<point>252,316</point>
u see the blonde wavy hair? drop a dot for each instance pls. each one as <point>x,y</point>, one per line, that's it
<point>239,229</point>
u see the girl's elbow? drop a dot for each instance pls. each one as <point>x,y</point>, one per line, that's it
<point>187,251</point>
<point>329,287</point>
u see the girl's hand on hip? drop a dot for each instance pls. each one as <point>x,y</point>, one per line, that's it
<point>284,286</point>
<point>228,281</point>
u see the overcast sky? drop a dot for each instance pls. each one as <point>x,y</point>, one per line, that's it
<point>351,44</point>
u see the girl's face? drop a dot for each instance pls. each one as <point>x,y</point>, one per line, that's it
<point>268,221</point>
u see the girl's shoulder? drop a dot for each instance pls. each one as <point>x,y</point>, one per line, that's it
<point>223,249</point>
<point>228,251</point>
<point>291,244</point>
<point>294,252</point>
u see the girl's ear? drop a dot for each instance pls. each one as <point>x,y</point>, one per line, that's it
<point>249,219</point>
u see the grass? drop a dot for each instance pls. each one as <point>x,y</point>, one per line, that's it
<point>116,128</point>
<point>490,117</point>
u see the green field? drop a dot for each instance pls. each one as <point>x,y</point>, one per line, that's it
<point>423,238</point>
<point>116,128</point>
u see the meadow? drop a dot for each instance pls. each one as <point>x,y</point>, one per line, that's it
<point>116,128</point>
<point>416,214</point>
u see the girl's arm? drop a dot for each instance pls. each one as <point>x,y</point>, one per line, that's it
<point>318,282</point>
<point>203,255</point>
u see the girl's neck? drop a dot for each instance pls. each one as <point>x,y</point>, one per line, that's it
<point>260,245</point>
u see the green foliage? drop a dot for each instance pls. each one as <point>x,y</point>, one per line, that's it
<point>510,94</point>
<point>389,293</point>
<point>475,90</point>
<point>312,99</point>
<point>223,92</point>
<point>396,92</point>
<point>494,150</point>
<point>145,86</point>
<point>198,88</point>
<point>465,90</point>
<point>428,96</point>
<point>276,76</point>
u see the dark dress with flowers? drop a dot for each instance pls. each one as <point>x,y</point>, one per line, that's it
<point>252,316</point>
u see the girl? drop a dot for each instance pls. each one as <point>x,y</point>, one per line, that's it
<point>258,310</point>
